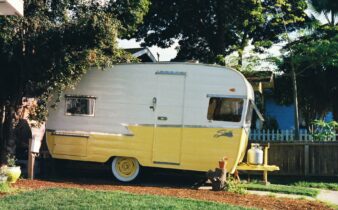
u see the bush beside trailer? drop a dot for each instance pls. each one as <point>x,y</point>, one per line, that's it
<point>167,115</point>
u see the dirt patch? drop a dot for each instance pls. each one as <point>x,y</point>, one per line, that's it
<point>265,202</point>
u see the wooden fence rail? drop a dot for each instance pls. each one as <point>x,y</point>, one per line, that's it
<point>281,136</point>
<point>304,158</point>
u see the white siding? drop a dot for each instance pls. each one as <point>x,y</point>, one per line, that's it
<point>125,92</point>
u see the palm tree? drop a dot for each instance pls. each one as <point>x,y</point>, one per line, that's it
<point>326,7</point>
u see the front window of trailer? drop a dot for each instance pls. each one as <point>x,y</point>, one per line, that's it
<point>80,105</point>
<point>225,109</point>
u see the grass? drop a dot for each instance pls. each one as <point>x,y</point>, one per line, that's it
<point>59,198</point>
<point>5,188</point>
<point>320,185</point>
<point>283,189</point>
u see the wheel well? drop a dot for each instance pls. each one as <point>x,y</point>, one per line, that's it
<point>110,160</point>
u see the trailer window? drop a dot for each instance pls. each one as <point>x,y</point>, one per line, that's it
<point>80,105</point>
<point>225,109</point>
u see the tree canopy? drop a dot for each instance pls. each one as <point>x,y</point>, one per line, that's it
<point>208,28</point>
<point>54,44</point>
<point>316,62</point>
<point>327,7</point>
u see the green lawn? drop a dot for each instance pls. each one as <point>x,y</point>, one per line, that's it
<point>4,188</point>
<point>320,185</point>
<point>282,189</point>
<point>58,198</point>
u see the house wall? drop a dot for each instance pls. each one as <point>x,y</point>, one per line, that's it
<point>283,114</point>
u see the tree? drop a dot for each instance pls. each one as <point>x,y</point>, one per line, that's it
<point>50,48</point>
<point>316,63</point>
<point>326,7</point>
<point>208,28</point>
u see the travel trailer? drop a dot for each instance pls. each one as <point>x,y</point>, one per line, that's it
<point>166,115</point>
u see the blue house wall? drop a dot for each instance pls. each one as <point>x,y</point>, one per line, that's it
<point>283,114</point>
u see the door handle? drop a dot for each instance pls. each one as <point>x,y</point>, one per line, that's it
<point>162,118</point>
<point>153,106</point>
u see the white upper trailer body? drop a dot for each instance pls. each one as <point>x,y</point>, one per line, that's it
<point>170,115</point>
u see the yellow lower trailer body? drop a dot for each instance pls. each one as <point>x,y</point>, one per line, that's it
<point>197,149</point>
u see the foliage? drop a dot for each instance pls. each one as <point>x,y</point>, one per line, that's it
<point>282,189</point>
<point>129,13</point>
<point>324,131</point>
<point>53,45</point>
<point>319,185</point>
<point>316,62</point>
<point>207,29</point>
<point>86,199</point>
<point>235,186</point>
<point>326,7</point>
<point>315,59</point>
<point>270,123</point>
<point>11,160</point>
<point>3,170</point>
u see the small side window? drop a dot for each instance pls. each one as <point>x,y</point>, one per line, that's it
<point>80,105</point>
<point>225,109</point>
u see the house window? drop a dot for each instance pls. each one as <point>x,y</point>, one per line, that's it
<point>225,109</point>
<point>80,105</point>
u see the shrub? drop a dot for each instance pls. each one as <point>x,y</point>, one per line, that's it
<point>235,186</point>
<point>324,131</point>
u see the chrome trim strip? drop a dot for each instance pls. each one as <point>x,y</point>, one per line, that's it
<point>206,126</point>
<point>59,133</point>
<point>226,96</point>
<point>87,134</point>
<point>181,125</point>
<point>171,73</point>
<point>169,126</point>
<point>83,133</point>
<point>166,163</point>
<point>136,124</point>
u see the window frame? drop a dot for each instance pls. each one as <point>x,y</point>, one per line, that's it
<point>243,98</point>
<point>250,108</point>
<point>80,97</point>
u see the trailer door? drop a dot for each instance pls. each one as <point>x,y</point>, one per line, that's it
<point>168,117</point>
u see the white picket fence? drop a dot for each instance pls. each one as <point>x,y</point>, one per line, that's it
<point>280,135</point>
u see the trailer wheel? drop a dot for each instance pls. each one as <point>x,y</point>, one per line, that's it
<point>125,169</point>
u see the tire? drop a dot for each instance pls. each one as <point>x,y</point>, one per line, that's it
<point>125,169</point>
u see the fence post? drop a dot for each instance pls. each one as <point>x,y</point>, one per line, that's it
<point>263,135</point>
<point>287,135</point>
<point>305,136</point>
<point>306,159</point>
<point>259,138</point>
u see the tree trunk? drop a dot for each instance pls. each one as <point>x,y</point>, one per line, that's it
<point>11,121</point>
<point>332,18</point>
<point>8,137</point>
<point>2,137</point>
<point>295,98</point>
<point>241,50</point>
<point>335,107</point>
<point>219,46</point>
